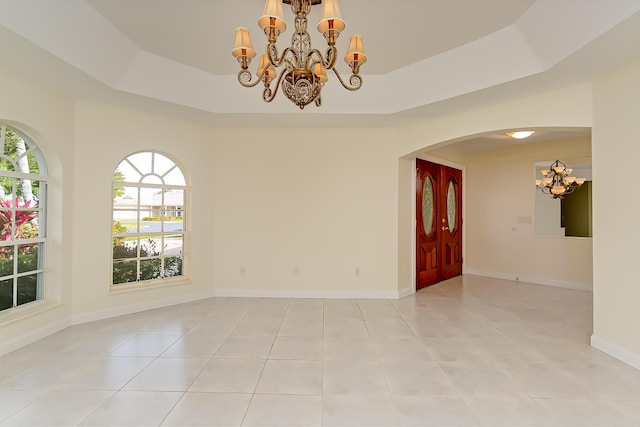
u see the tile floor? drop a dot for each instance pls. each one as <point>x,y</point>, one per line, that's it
<point>471,351</point>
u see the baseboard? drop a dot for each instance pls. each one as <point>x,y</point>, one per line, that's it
<point>137,308</point>
<point>576,286</point>
<point>491,274</point>
<point>405,292</point>
<point>259,293</point>
<point>31,337</point>
<point>235,293</point>
<point>616,351</point>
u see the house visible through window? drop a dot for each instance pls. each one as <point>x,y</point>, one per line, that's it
<point>22,219</point>
<point>149,194</point>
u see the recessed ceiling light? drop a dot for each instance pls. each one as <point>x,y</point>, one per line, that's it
<point>521,134</point>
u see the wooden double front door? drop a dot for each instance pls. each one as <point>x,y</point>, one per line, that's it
<point>439,223</point>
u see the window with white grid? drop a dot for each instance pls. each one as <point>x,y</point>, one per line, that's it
<point>148,222</point>
<point>23,189</point>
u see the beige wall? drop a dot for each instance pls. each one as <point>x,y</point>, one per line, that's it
<point>47,117</point>
<point>271,214</point>
<point>104,136</point>
<point>568,107</point>
<point>310,216</point>
<point>406,234</point>
<point>501,216</point>
<point>616,150</point>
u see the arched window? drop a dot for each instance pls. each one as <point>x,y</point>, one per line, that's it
<point>23,192</point>
<point>149,201</point>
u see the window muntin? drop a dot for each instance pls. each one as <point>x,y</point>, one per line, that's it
<point>148,220</point>
<point>23,187</point>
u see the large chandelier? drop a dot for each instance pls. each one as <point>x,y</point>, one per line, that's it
<point>557,182</point>
<point>304,69</point>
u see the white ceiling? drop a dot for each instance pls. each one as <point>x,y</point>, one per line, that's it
<point>426,57</point>
<point>200,33</point>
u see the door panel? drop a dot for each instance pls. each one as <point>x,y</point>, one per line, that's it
<point>427,245</point>
<point>439,223</point>
<point>452,223</point>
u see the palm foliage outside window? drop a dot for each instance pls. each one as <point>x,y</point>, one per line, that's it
<point>23,186</point>
<point>148,222</point>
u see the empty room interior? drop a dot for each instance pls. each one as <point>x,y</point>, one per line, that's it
<point>358,214</point>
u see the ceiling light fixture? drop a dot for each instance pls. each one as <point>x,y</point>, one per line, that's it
<point>305,69</point>
<point>557,182</point>
<point>521,134</point>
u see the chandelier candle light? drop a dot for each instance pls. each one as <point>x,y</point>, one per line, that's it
<point>305,69</point>
<point>557,182</point>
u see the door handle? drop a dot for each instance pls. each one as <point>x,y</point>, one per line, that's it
<point>444,228</point>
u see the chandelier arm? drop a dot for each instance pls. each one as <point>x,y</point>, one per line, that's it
<point>332,55</point>
<point>355,81</point>
<point>268,95</point>
<point>314,57</point>
<point>328,61</point>
<point>277,61</point>
<point>244,78</point>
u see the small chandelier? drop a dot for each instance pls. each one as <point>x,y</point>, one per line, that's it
<point>305,69</point>
<point>557,182</point>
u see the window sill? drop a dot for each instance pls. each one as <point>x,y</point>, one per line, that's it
<point>549,236</point>
<point>141,286</point>
<point>27,310</point>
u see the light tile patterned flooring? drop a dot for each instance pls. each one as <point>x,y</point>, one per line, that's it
<point>470,351</point>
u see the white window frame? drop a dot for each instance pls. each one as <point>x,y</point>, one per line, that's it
<point>42,218</point>
<point>143,237</point>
